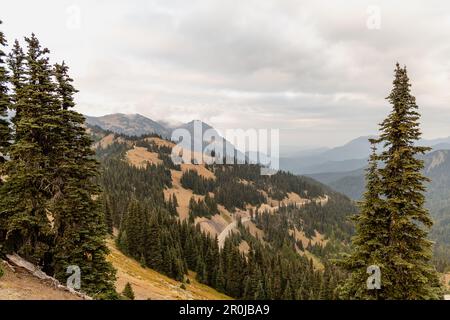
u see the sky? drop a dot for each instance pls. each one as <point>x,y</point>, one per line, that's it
<point>317,70</point>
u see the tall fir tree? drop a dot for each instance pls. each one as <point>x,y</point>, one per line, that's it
<point>107,209</point>
<point>407,272</point>
<point>4,128</point>
<point>128,292</point>
<point>51,213</point>
<point>77,203</point>
<point>371,235</point>
<point>4,103</point>
<point>393,224</point>
<point>27,189</point>
<point>16,64</point>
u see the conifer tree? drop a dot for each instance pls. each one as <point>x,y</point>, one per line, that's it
<point>131,233</point>
<point>407,272</point>
<point>4,128</point>
<point>108,214</point>
<point>287,294</point>
<point>260,293</point>
<point>4,103</point>
<point>50,212</point>
<point>28,188</point>
<point>393,224</point>
<point>128,292</point>
<point>371,235</point>
<point>175,201</point>
<point>76,203</point>
<point>153,254</point>
<point>16,64</point>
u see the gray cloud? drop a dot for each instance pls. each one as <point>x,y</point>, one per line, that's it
<point>311,68</point>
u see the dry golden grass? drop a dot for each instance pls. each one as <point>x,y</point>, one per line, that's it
<point>183,195</point>
<point>149,284</point>
<point>269,207</point>
<point>160,142</point>
<point>446,281</point>
<point>105,141</point>
<point>318,238</point>
<point>318,265</point>
<point>206,225</point>
<point>254,231</point>
<point>245,182</point>
<point>200,168</point>
<point>244,247</point>
<point>141,157</point>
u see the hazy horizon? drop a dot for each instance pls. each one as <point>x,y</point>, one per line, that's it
<point>285,149</point>
<point>320,76</point>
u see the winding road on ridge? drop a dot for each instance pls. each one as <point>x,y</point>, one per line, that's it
<point>228,230</point>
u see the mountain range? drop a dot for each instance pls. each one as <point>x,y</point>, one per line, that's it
<point>315,161</point>
<point>342,167</point>
<point>348,157</point>
<point>128,124</point>
<point>138,125</point>
<point>437,169</point>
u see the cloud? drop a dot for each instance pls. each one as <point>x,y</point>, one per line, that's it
<point>311,68</point>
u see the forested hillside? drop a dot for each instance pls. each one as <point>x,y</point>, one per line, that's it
<point>170,217</point>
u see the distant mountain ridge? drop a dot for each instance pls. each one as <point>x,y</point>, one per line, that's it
<point>341,159</point>
<point>348,157</point>
<point>437,168</point>
<point>128,124</point>
<point>138,125</point>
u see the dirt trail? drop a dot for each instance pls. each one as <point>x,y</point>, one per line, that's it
<point>21,285</point>
<point>228,230</point>
<point>230,227</point>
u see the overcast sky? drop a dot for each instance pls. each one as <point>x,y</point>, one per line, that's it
<point>318,70</point>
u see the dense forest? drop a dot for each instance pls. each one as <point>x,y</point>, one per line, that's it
<point>150,231</point>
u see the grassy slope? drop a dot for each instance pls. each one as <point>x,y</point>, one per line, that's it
<point>149,284</point>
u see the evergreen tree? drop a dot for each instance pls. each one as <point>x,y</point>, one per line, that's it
<point>407,272</point>
<point>28,188</point>
<point>287,294</point>
<point>392,226</point>
<point>50,209</point>
<point>16,64</point>
<point>108,214</point>
<point>175,201</point>
<point>153,246</point>
<point>4,128</point>
<point>76,204</point>
<point>369,242</point>
<point>260,293</point>
<point>4,103</point>
<point>131,232</point>
<point>128,292</point>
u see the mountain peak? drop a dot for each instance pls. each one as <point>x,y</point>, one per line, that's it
<point>129,124</point>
